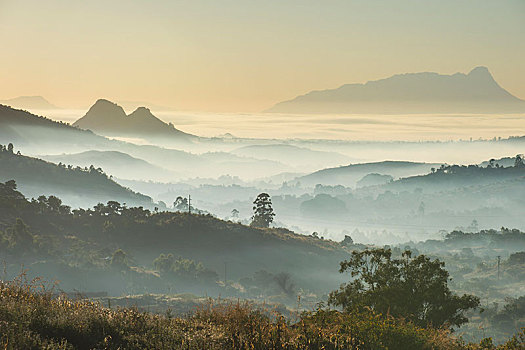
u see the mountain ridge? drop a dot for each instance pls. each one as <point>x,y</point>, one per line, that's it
<point>348,175</point>
<point>425,92</point>
<point>29,102</point>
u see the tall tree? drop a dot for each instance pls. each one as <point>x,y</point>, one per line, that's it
<point>262,211</point>
<point>518,161</point>
<point>412,288</point>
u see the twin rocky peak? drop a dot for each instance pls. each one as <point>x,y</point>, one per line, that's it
<point>108,118</point>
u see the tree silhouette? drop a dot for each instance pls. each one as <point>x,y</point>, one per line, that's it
<point>412,288</point>
<point>181,204</point>
<point>518,162</point>
<point>262,211</point>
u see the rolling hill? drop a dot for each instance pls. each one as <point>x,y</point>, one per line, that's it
<point>348,175</point>
<point>76,186</point>
<point>475,92</point>
<point>118,164</point>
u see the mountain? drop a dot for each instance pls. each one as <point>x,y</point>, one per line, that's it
<point>348,175</point>
<point>108,118</point>
<point>76,186</point>
<point>475,92</point>
<point>29,102</point>
<point>39,135</point>
<point>118,164</point>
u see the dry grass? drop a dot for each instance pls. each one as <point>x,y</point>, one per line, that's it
<point>31,318</point>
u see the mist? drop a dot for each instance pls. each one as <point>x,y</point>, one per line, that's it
<point>161,209</point>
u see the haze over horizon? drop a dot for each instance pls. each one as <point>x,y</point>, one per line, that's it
<point>235,56</point>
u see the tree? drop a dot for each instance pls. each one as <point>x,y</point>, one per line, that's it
<point>347,241</point>
<point>181,204</point>
<point>285,283</point>
<point>10,148</point>
<point>119,259</point>
<point>518,161</point>
<point>185,269</point>
<point>235,213</point>
<point>262,211</point>
<point>412,288</point>
<point>21,238</point>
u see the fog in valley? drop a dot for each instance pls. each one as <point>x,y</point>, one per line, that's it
<point>367,187</point>
<point>246,194</point>
<point>176,209</point>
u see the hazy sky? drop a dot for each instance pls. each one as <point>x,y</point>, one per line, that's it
<point>242,55</point>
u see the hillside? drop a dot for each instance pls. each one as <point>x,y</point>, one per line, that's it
<point>450,177</point>
<point>118,164</point>
<point>144,235</point>
<point>348,175</point>
<point>38,132</point>
<point>77,186</point>
<point>475,92</point>
<point>33,319</point>
<point>108,118</point>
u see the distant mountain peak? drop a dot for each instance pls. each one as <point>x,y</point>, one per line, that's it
<point>480,70</point>
<point>108,118</point>
<point>103,105</point>
<point>103,112</point>
<point>426,92</point>
<point>142,112</point>
<point>29,102</point>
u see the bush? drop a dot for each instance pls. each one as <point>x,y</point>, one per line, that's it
<point>31,318</point>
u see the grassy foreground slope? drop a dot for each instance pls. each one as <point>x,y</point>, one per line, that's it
<point>31,318</point>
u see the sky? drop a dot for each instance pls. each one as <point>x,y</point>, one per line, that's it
<point>245,55</point>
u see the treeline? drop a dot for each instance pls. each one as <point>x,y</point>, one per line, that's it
<point>36,175</point>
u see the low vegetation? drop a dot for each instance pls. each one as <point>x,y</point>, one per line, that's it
<point>32,318</point>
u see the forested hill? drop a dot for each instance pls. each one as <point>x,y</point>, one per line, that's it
<point>13,116</point>
<point>448,177</point>
<point>348,175</point>
<point>77,186</point>
<point>41,133</point>
<point>144,235</point>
